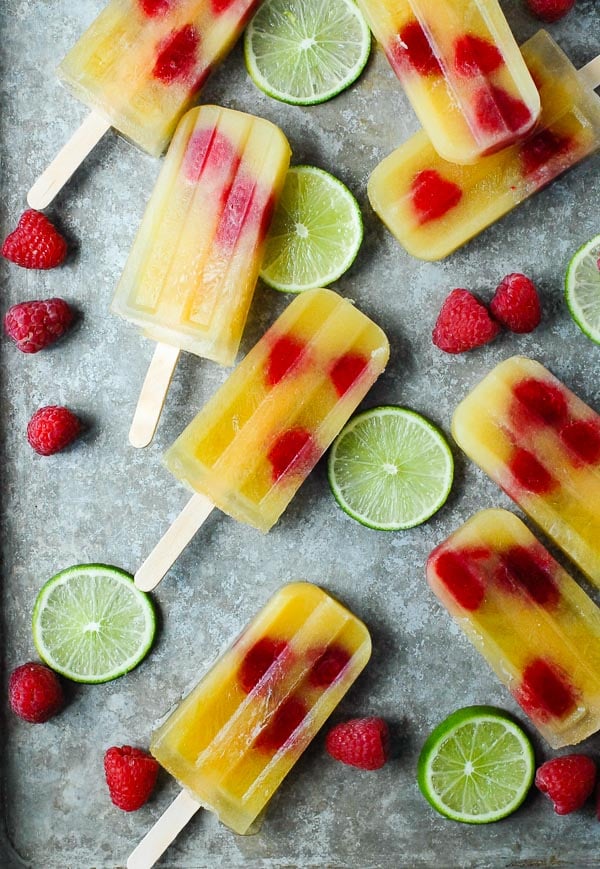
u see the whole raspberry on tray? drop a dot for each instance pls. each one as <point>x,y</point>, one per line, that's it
<point>360,742</point>
<point>52,428</point>
<point>35,243</point>
<point>35,693</point>
<point>568,781</point>
<point>463,323</point>
<point>516,304</point>
<point>130,775</point>
<point>550,10</point>
<point>35,325</point>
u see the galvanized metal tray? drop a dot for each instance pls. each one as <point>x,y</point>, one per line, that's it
<point>103,501</point>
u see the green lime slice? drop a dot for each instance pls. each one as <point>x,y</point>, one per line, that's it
<point>306,51</point>
<point>91,624</point>
<point>390,469</point>
<point>582,288</point>
<point>477,766</point>
<point>316,232</point>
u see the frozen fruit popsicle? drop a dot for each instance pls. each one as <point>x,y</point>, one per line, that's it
<point>257,439</point>
<point>461,69</point>
<point>530,620</point>
<point>232,741</point>
<point>433,206</point>
<point>541,444</point>
<point>139,67</point>
<point>192,270</point>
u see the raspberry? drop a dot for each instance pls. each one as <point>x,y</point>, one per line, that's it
<point>130,775</point>
<point>516,304</point>
<point>35,693</point>
<point>432,195</point>
<point>567,780</point>
<point>34,325</point>
<point>360,742</point>
<point>463,323</point>
<point>346,370</point>
<point>294,452</point>
<point>35,243</point>
<point>475,56</point>
<point>285,353</point>
<point>52,428</point>
<point>550,10</point>
<point>177,56</point>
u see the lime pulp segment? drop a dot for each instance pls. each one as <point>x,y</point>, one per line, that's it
<point>476,766</point>
<point>582,288</point>
<point>91,624</point>
<point>315,234</point>
<point>390,469</point>
<point>306,51</point>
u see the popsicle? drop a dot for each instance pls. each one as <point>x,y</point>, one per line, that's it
<point>193,267</point>
<point>433,206</point>
<point>139,67</point>
<point>529,619</point>
<point>235,737</point>
<point>461,69</point>
<point>541,444</point>
<point>257,439</point>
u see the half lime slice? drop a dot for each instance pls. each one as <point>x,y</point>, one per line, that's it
<point>390,468</point>
<point>477,766</point>
<point>91,624</point>
<point>315,234</point>
<point>582,288</point>
<point>306,51</point>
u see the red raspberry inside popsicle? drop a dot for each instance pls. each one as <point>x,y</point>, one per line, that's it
<point>289,715</point>
<point>284,355</point>
<point>177,55</point>
<point>530,474</point>
<point>582,439</point>
<point>454,571</point>
<point>496,110</point>
<point>537,151</point>
<point>328,666</point>
<point>346,370</point>
<point>293,452</point>
<point>157,8</point>
<point>538,403</point>
<point>257,661</point>
<point>207,150</point>
<point>476,56</point>
<point>521,569</point>
<point>545,692</point>
<point>432,195</point>
<point>412,49</point>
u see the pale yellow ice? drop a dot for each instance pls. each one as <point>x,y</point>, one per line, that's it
<point>193,267</point>
<point>250,448</point>
<point>237,735</point>
<point>141,63</point>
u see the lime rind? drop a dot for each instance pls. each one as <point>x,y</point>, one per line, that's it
<point>582,288</point>
<point>305,52</point>
<point>91,624</point>
<point>316,232</point>
<point>390,468</point>
<point>499,758</point>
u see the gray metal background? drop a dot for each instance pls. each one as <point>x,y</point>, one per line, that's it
<point>103,501</point>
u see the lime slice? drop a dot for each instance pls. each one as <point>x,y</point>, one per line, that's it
<point>582,288</point>
<point>91,624</point>
<point>316,232</point>
<point>477,766</point>
<point>390,468</point>
<point>306,51</point>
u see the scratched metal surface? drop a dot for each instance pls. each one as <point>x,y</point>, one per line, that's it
<point>103,501</point>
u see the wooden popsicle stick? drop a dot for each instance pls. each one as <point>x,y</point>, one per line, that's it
<point>590,73</point>
<point>173,542</point>
<point>159,837</point>
<point>153,395</point>
<point>68,159</point>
